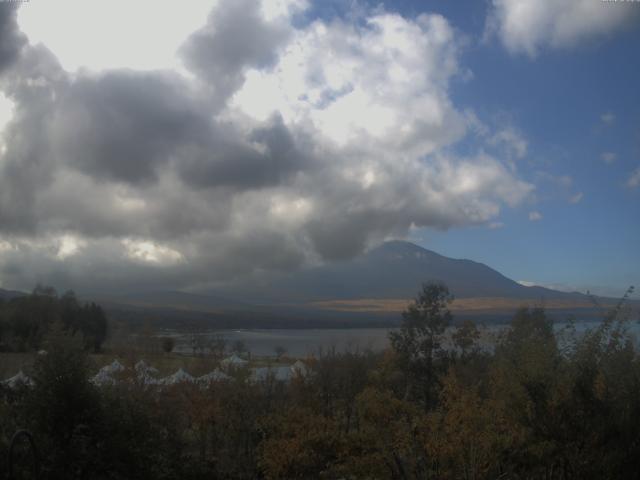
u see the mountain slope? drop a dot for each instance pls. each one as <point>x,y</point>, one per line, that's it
<point>394,270</point>
<point>9,294</point>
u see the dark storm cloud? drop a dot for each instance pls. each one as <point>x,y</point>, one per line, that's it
<point>266,157</point>
<point>123,178</point>
<point>27,166</point>
<point>11,38</point>
<point>124,125</point>
<point>76,143</point>
<point>235,37</point>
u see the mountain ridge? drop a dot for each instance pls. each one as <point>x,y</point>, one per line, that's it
<point>395,269</point>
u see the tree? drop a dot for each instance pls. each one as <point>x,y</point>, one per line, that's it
<point>280,351</point>
<point>167,344</point>
<point>217,346</point>
<point>417,342</point>
<point>465,338</point>
<point>94,327</point>
<point>239,347</point>
<point>64,405</point>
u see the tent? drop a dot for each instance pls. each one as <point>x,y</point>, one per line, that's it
<point>233,361</point>
<point>143,368</point>
<point>179,377</point>
<point>211,377</point>
<point>299,368</point>
<point>20,379</point>
<point>105,374</point>
<point>103,377</point>
<point>113,367</point>
<point>146,373</point>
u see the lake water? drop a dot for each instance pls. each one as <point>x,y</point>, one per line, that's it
<point>303,342</point>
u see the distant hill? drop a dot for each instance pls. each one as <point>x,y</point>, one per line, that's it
<point>174,299</point>
<point>9,294</point>
<point>369,290</point>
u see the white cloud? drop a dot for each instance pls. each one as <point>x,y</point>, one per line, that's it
<point>527,26</point>
<point>150,252</point>
<point>69,245</point>
<point>495,225</point>
<point>559,181</point>
<point>577,198</point>
<point>96,34</point>
<point>608,157</point>
<point>634,179</point>
<point>535,216</point>
<point>381,86</point>
<point>513,140</point>
<point>608,118</point>
<point>322,140</point>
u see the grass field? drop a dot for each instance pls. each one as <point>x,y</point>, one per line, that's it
<point>489,304</point>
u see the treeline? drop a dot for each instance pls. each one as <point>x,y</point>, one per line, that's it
<point>25,321</point>
<point>540,405</point>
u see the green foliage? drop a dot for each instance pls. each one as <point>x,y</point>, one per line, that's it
<point>539,406</point>
<point>63,406</point>
<point>418,341</point>
<point>465,339</point>
<point>25,321</point>
<point>167,344</point>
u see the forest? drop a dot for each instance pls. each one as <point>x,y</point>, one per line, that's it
<point>541,404</point>
<point>25,320</point>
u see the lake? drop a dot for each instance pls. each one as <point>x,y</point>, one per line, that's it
<point>303,342</point>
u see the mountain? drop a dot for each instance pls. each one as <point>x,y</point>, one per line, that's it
<point>9,294</point>
<point>394,270</point>
<point>369,290</point>
<point>174,299</point>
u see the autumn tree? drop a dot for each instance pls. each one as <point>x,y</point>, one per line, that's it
<point>167,344</point>
<point>418,341</point>
<point>465,338</point>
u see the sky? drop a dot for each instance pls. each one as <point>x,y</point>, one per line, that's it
<point>183,145</point>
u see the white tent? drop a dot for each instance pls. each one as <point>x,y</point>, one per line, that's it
<point>113,367</point>
<point>211,377</point>
<point>179,377</point>
<point>105,374</point>
<point>146,373</point>
<point>20,379</point>
<point>233,361</point>
<point>299,368</point>
<point>103,377</point>
<point>143,368</point>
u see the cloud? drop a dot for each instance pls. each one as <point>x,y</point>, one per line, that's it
<point>286,145</point>
<point>608,118</point>
<point>512,140</point>
<point>634,179</point>
<point>608,157</point>
<point>577,198</point>
<point>11,39</point>
<point>495,225</point>
<point>535,216</point>
<point>563,182</point>
<point>528,26</point>
<point>236,37</point>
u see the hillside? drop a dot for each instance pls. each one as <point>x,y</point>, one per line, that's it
<point>394,270</point>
